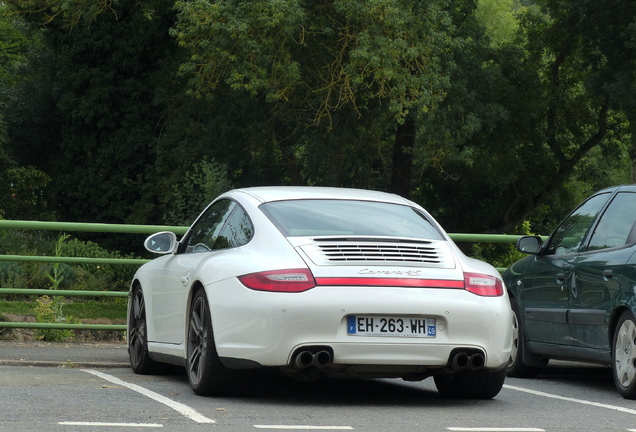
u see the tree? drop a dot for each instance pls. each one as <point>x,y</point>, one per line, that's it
<point>102,81</point>
<point>21,188</point>
<point>433,100</point>
<point>321,70</point>
<point>531,111</point>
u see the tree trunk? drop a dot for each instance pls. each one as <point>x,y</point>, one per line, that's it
<point>403,157</point>
<point>632,148</point>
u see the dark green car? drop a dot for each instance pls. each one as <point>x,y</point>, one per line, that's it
<point>574,297</point>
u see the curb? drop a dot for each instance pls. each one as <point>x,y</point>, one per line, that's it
<point>69,364</point>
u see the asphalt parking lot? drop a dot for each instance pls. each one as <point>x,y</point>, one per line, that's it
<point>88,387</point>
<point>90,355</point>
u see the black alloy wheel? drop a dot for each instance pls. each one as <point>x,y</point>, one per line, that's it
<point>140,360</point>
<point>206,373</point>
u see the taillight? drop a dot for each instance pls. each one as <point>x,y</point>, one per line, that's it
<point>296,280</point>
<point>483,285</point>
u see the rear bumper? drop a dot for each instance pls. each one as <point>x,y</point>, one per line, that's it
<point>267,328</point>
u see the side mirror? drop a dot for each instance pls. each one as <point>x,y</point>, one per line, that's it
<point>161,243</point>
<point>529,244</point>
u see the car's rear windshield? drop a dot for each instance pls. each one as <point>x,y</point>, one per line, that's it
<point>324,217</point>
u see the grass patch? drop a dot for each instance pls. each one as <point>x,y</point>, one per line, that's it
<point>112,309</point>
<point>18,307</point>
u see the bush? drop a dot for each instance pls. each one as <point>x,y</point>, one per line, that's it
<point>501,255</point>
<point>11,274</point>
<point>49,310</point>
<point>111,277</point>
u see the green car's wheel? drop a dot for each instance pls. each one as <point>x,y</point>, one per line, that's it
<point>515,367</point>
<point>624,356</point>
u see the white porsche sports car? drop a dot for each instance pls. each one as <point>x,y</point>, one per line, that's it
<point>319,281</point>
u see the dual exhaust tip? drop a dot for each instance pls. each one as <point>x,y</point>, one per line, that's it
<point>319,358</point>
<point>322,357</point>
<point>467,360</point>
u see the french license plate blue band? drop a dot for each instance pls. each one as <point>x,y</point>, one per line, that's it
<point>351,324</point>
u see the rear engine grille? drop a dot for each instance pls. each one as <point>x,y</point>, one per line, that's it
<point>330,251</point>
<point>366,252</point>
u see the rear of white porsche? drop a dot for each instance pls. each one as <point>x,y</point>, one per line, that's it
<point>367,306</point>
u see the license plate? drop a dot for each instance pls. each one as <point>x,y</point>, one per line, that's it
<point>373,325</point>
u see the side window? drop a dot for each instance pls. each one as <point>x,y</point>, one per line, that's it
<point>616,223</point>
<point>568,236</point>
<point>206,229</point>
<point>237,231</point>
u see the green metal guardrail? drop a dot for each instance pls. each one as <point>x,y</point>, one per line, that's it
<point>126,229</point>
<point>78,227</point>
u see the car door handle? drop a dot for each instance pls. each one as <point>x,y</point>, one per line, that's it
<point>185,278</point>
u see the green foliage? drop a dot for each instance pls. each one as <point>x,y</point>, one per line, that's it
<point>14,46</point>
<point>499,18</point>
<point>519,108</point>
<point>24,274</point>
<point>501,255</point>
<point>95,310</point>
<point>23,196</point>
<point>11,274</point>
<point>97,109</point>
<point>322,88</point>
<point>522,119</point>
<point>102,277</point>
<point>16,307</point>
<point>243,44</point>
<point>57,276</point>
<point>68,12</point>
<point>83,277</point>
<point>49,310</point>
<point>199,186</point>
<point>91,310</point>
<point>319,58</point>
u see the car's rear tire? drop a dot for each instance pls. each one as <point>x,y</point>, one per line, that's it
<point>624,355</point>
<point>516,368</point>
<point>207,375</point>
<point>140,360</point>
<point>469,384</point>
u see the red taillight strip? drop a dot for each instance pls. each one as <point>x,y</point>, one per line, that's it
<point>393,282</point>
<point>294,280</point>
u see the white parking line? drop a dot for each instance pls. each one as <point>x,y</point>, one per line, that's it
<point>495,429</point>
<point>137,425</point>
<point>298,427</point>
<point>179,407</point>
<point>569,399</point>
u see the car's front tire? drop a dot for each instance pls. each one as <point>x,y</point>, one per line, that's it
<point>515,367</point>
<point>624,356</point>
<point>469,384</point>
<point>207,375</point>
<point>140,360</point>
